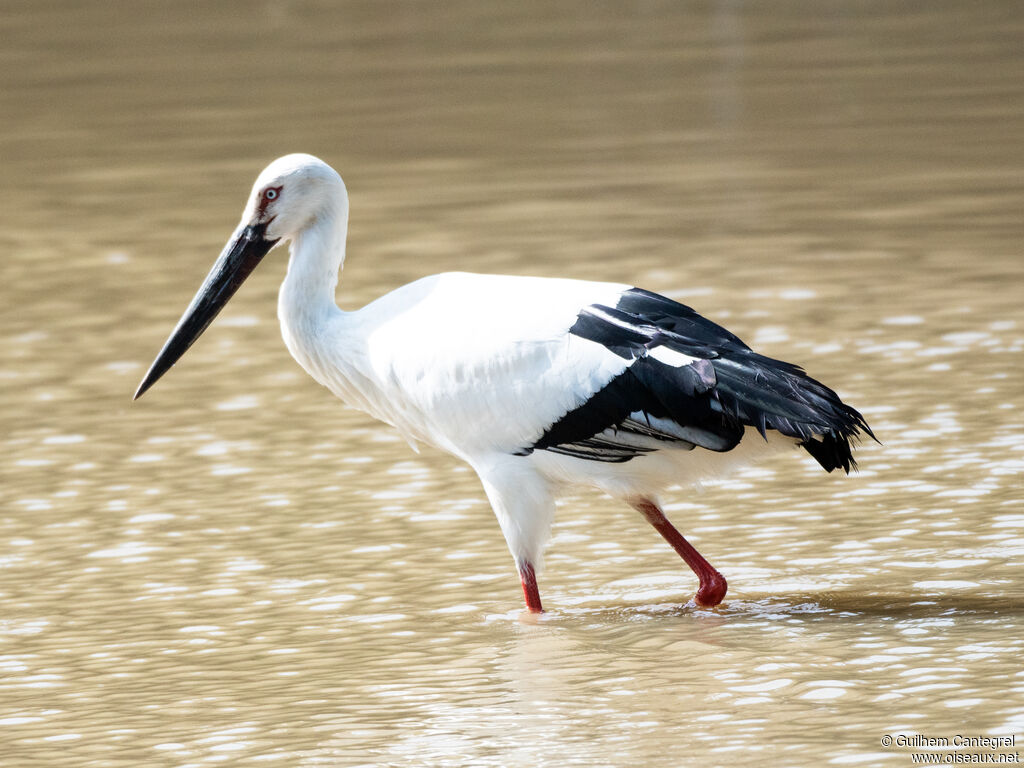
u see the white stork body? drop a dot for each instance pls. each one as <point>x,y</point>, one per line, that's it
<point>536,383</point>
<point>451,358</point>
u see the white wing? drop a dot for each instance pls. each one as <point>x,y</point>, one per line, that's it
<point>474,363</point>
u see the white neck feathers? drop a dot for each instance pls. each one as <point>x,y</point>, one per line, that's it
<point>306,305</point>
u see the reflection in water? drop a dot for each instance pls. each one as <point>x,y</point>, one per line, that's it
<point>243,572</point>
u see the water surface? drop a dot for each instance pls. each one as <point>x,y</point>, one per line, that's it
<point>237,570</point>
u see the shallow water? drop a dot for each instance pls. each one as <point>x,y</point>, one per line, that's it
<point>238,570</point>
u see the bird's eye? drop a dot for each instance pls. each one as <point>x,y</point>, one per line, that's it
<point>270,194</point>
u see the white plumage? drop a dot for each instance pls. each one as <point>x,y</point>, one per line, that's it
<point>536,383</point>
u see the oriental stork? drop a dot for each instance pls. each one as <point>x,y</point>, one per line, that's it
<point>539,384</point>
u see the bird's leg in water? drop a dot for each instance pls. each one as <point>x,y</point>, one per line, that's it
<point>530,591</point>
<point>712,583</point>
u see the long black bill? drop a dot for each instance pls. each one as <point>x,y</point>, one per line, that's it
<point>239,258</point>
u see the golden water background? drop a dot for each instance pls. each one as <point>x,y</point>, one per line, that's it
<point>238,571</point>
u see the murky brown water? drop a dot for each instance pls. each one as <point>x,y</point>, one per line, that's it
<point>236,570</point>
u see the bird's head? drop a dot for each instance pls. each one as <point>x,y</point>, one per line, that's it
<point>289,196</point>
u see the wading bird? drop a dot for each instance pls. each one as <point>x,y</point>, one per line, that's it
<point>537,383</point>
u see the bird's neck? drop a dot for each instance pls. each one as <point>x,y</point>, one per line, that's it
<point>306,306</point>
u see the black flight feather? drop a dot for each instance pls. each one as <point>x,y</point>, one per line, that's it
<point>709,400</point>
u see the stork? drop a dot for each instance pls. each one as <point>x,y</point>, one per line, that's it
<point>539,384</point>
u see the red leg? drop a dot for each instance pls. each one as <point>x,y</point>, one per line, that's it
<point>530,591</point>
<point>712,583</point>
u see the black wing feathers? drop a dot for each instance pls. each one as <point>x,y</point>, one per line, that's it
<point>706,402</point>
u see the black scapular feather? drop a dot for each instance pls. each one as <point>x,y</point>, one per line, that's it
<point>726,388</point>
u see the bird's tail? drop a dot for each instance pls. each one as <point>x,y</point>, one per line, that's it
<point>771,394</point>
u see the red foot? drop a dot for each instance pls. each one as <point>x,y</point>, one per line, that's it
<point>530,591</point>
<point>712,583</point>
<point>712,590</point>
